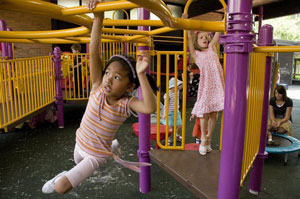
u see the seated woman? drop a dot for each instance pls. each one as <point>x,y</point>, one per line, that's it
<point>280,120</point>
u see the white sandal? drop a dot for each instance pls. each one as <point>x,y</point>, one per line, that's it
<point>202,149</point>
<point>208,147</point>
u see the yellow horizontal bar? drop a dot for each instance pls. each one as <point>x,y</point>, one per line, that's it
<point>136,37</point>
<point>106,6</point>
<point>113,37</point>
<point>70,40</point>
<point>76,39</point>
<point>53,40</point>
<point>24,59</point>
<point>167,41</point>
<point>273,49</point>
<point>192,24</point>
<point>170,52</point>
<point>170,37</point>
<point>44,34</point>
<point>161,30</point>
<point>125,22</point>
<point>124,31</point>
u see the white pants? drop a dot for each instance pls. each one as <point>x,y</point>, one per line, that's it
<point>85,166</point>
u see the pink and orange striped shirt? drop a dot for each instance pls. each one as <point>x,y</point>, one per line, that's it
<point>100,123</point>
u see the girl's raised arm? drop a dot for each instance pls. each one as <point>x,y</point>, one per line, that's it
<point>215,39</point>
<point>148,104</point>
<point>96,66</point>
<point>190,40</point>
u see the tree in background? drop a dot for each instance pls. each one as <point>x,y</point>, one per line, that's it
<point>286,28</point>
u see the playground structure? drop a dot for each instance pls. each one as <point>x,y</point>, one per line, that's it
<point>288,145</point>
<point>244,123</point>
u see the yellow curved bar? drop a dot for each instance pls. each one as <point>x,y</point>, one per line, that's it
<point>69,40</point>
<point>192,24</point>
<point>161,30</point>
<point>187,5</point>
<point>159,8</point>
<point>117,38</point>
<point>115,5</point>
<point>53,40</point>
<point>138,39</point>
<point>224,5</point>
<point>124,11</point>
<point>125,22</point>
<point>135,37</point>
<point>44,34</point>
<point>124,31</point>
<point>278,49</point>
<point>44,8</point>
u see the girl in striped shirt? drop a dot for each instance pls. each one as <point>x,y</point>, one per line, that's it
<point>108,107</point>
<point>172,109</point>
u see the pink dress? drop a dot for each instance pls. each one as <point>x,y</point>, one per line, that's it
<point>210,96</point>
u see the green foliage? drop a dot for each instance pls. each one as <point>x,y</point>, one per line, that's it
<point>286,28</point>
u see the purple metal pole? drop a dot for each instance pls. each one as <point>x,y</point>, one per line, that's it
<point>265,39</point>
<point>261,16</point>
<point>87,48</point>
<point>58,82</point>
<point>125,48</point>
<point>9,48</point>
<point>144,123</point>
<point>238,46</point>
<point>3,45</point>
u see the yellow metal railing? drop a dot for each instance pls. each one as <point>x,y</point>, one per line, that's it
<point>169,55</point>
<point>76,82</point>
<point>26,85</point>
<point>3,58</point>
<point>254,111</point>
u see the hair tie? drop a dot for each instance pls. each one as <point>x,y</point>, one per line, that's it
<point>127,61</point>
<point>196,32</point>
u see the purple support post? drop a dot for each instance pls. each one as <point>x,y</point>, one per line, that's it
<point>3,45</point>
<point>144,123</point>
<point>265,39</point>
<point>58,82</point>
<point>9,48</point>
<point>87,45</point>
<point>261,16</point>
<point>238,45</point>
<point>125,50</point>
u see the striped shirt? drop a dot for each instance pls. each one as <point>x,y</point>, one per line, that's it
<point>100,123</point>
<point>172,100</point>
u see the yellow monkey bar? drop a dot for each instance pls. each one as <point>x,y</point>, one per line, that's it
<point>124,31</point>
<point>51,10</point>
<point>69,40</point>
<point>106,6</point>
<point>278,49</point>
<point>44,8</point>
<point>44,34</point>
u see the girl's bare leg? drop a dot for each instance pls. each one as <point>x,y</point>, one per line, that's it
<point>204,123</point>
<point>212,123</point>
<point>211,127</point>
